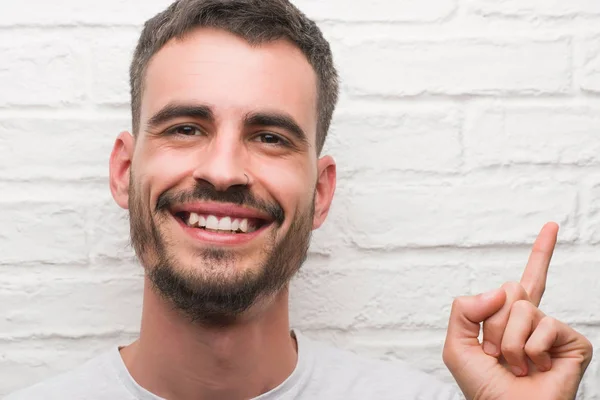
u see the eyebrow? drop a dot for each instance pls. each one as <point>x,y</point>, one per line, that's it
<point>277,120</point>
<point>204,112</point>
<point>172,111</point>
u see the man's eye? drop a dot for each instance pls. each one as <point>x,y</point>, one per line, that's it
<point>186,130</point>
<point>269,138</point>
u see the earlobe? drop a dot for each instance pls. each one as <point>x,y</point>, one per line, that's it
<point>326,182</point>
<point>120,168</point>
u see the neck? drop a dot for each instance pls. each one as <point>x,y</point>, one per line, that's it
<point>176,359</point>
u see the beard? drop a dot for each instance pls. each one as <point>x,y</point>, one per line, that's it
<point>212,292</point>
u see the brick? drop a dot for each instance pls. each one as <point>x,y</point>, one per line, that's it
<point>40,70</point>
<point>74,12</point>
<point>135,12</point>
<point>45,232</point>
<point>590,386</point>
<point>544,8</point>
<point>108,227</point>
<point>50,148</point>
<point>111,55</point>
<point>455,67</point>
<point>38,307</point>
<point>571,294</point>
<point>420,349</point>
<point>474,215</point>
<point>590,71</point>
<point>379,10</point>
<point>415,140</point>
<point>24,192</point>
<point>424,356</point>
<point>375,292</point>
<point>591,220</point>
<point>327,239</point>
<point>533,135</point>
<point>437,196</point>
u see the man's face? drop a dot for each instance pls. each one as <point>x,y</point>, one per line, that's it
<point>224,185</point>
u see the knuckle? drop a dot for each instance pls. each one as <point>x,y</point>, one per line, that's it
<point>523,307</point>
<point>449,355</point>
<point>459,303</point>
<point>588,345</point>
<point>550,323</point>
<point>511,348</point>
<point>515,291</point>
<point>588,350</point>
<point>533,349</point>
<point>494,327</point>
<point>446,356</point>
<point>585,344</point>
<point>511,286</point>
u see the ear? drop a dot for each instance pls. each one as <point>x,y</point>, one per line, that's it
<point>326,182</point>
<point>120,168</point>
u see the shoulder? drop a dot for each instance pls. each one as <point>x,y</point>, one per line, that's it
<point>94,379</point>
<point>361,377</point>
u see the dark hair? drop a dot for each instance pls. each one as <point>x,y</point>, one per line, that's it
<point>257,21</point>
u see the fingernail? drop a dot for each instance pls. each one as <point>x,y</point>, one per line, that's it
<point>546,367</point>
<point>517,371</point>
<point>489,348</point>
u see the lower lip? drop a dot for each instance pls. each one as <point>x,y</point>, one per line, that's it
<point>217,238</point>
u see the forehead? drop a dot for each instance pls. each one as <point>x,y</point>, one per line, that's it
<point>216,68</point>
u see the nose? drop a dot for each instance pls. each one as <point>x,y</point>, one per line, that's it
<point>221,163</point>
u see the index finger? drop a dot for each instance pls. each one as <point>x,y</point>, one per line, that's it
<point>536,271</point>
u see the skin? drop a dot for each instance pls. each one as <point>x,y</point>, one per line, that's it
<point>525,354</point>
<point>175,357</point>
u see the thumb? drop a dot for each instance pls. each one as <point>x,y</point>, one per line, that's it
<point>465,318</point>
<point>463,354</point>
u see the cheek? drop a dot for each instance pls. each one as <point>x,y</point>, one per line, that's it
<point>161,168</point>
<point>290,182</point>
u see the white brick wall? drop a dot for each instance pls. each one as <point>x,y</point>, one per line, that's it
<point>463,126</point>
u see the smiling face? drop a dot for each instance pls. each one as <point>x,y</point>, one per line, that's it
<point>223,182</point>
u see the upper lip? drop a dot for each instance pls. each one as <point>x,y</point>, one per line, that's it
<point>221,210</point>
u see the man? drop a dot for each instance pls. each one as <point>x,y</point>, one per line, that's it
<point>224,182</point>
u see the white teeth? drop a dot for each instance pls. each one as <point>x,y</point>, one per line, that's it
<point>244,225</point>
<point>194,218</point>
<point>212,222</point>
<point>225,224</point>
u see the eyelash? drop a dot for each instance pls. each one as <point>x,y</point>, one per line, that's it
<point>282,141</point>
<point>173,130</point>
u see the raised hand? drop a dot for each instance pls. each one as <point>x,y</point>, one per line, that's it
<point>524,354</point>
<point>531,288</point>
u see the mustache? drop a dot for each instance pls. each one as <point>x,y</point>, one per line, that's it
<point>238,195</point>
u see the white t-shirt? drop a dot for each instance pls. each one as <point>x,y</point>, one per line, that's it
<point>322,372</point>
